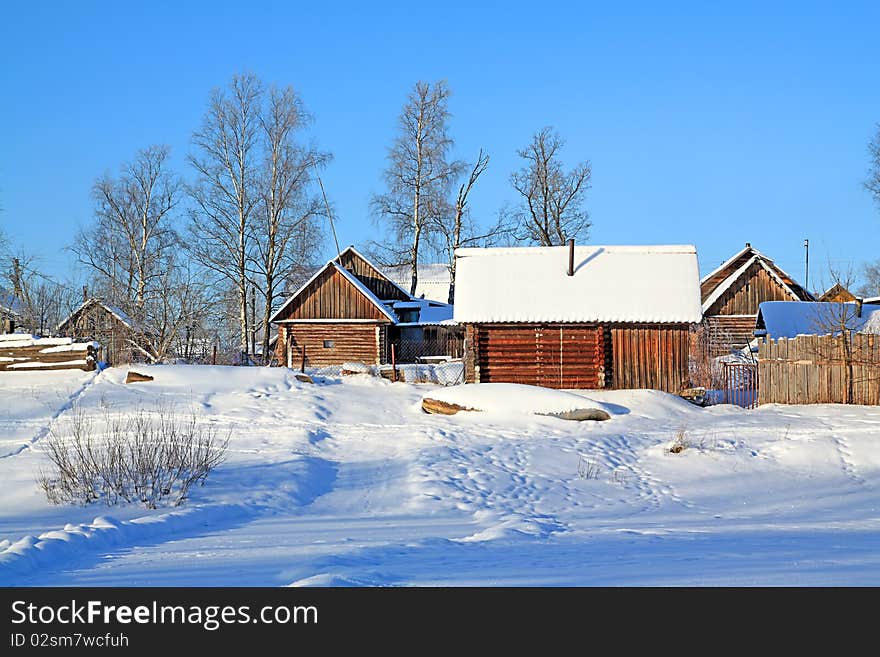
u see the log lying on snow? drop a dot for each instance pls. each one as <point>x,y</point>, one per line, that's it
<point>302,376</point>
<point>580,414</point>
<point>435,406</point>
<point>438,407</point>
<point>133,377</point>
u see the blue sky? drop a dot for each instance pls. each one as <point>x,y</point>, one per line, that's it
<point>704,125</point>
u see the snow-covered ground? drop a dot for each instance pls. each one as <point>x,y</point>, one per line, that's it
<point>347,482</point>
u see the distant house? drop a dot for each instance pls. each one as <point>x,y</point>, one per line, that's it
<point>789,319</point>
<point>433,283</point>
<point>731,294</point>
<point>350,311</point>
<point>10,311</point>
<point>837,292</point>
<point>118,334</point>
<point>578,317</point>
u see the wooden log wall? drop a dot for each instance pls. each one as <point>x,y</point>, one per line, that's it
<point>813,369</point>
<point>352,342</point>
<point>549,355</point>
<point>726,332</point>
<point>650,356</point>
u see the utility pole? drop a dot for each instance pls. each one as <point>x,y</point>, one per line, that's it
<point>807,265</point>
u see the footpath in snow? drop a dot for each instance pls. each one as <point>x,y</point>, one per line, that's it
<point>347,482</point>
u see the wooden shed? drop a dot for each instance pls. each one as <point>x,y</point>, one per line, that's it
<point>732,293</point>
<point>350,311</point>
<point>578,317</point>
<point>121,340</point>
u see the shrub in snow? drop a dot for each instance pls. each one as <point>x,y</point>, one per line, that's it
<point>587,468</point>
<point>149,458</point>
<point>681,442</point>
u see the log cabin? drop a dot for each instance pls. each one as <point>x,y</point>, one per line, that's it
<point>732,293</point>
<point>578,317</point>
<point>350,311</point>
<point>120,338</point>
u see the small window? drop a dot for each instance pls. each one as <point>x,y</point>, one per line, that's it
<point>328,344</point>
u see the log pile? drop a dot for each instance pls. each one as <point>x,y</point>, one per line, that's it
<point>25,353</point>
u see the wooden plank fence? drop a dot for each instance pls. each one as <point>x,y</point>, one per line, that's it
<point>813,369</point>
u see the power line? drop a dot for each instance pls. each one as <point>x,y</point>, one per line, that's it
<point>329,213</point>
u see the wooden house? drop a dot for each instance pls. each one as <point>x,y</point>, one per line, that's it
<point>578,317</point>
<point>10,311</point>
<point>349,311</point>
<point>732,293</point>
<point>837,293</point>
<point>120,338</point>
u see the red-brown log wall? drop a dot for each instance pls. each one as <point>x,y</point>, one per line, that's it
<point>549,355</point>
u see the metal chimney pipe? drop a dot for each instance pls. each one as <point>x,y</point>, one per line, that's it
<point>571,257</point>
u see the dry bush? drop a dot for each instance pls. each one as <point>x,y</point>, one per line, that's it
<point>149,458</point>
<point>681,442</point>
<point>587,468</point>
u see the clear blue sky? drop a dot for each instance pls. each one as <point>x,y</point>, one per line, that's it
<point>704,125</point>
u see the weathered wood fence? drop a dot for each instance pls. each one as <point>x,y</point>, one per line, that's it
<point>811,369</point>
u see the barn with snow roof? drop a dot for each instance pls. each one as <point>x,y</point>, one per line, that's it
<point>578,317</point>
<point>350,311</point>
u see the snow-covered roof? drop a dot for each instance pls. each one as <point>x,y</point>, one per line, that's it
<point>872,300</point>
<point>351,278</point>
<point>394,282</point>
<point>433,280</point>
<point>738,254</point>
<point>730,280</point>
<point>788,319</point>
<point>118,313</point>
<point>610,284</point>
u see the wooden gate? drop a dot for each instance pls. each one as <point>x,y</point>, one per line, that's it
<point>740,384</point>
<point>553,356</point>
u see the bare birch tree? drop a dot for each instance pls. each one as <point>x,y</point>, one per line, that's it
<point>454,228</point>
<point>552,199</point>
<point>418,174</point>
<point>287,230</point>
<point>133,216</point>
<point>224,194</point>
<point>872,184</point>
<point>129,248</point>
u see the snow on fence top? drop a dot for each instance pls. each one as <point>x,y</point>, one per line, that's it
<point>610,284</point>
<point>789,319</point>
